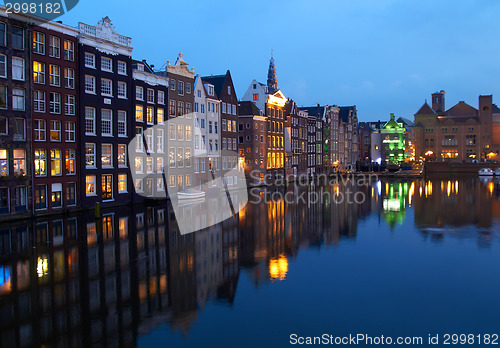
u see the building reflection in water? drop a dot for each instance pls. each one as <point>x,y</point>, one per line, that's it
<point>78,281</point>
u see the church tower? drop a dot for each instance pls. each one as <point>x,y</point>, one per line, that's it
<point>272,79</point>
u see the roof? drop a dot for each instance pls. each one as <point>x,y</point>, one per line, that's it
<point>248,108</point>
<point>495,109</point>
<point>406,121</point>
<point>217,80</point>
<point>313,110</point>
<point>206,90</point>
<point>425,110</point>
<point>344,112</point>
<point>461,109</point>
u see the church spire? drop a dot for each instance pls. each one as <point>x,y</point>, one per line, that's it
<point>272,79</point>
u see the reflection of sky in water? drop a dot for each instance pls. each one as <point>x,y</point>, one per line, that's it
<point>4,275</point>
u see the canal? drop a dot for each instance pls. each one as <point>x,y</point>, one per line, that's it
<point>400,258</point>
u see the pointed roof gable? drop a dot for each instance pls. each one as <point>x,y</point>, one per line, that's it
<point>217,80</point>
<point>425,110</point>
<point>392,123</point>
<point>461,109</point>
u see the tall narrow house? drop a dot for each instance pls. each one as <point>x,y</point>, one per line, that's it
<point>224,89</point>
<point>54,61</point>
<point>15,121</point>
<point>105,110</point>
<point>272,102</point>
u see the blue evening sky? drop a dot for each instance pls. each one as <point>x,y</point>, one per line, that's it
<point>382,55</point>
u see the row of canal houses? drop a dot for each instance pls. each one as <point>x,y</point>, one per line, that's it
<point>82,122</point>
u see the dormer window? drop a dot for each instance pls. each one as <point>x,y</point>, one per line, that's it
<point>211,90</point>
<point>140,67</point>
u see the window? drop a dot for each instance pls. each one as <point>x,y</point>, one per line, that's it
<point>3,97</point>
<point>55,77</point>
<point>122,89</point>
<point>150,95</point>
<point>172,84</point>
<point>188,88</point>
<point>18,99</point>
<point>55,162</point>
<point>122,68</point>
<point>138,185</point>
<point>171,131</point>
<point>89,60</point>
<point>19,162</point>
<point>172,108</point>
<point>55,103</point>
<point>70,132</point>
<point>41,197</point>
<point>150,114</point>
<point>188,133</point>
<point>149,165</point>
<point>180,108</point>
<point>122,155</point>
<point>106,87</point>
<point>149,140</point>
<point>17,68</point>
<point>90,185</point>
<point>55,131</point>
<point>90,155</point>
<point>4,163</point>
<point>38,72</point>
<point>180,157</point>
<point>160,118</point>
<point>180,88</point>
<point>69,50</point>
<point>89,121</point>
<point>139,165</point>
<point>18,38</point>
<point>180,132</point>
<point>209,126</point>
<point>106,122</point>
<point>139,144</point>
<point>171,157</point>
<point>69,105</point>
<point>54,47</point>
<point>122,123</point>
<point>39,101</point>
<point>106,64</point>
<point>38,42</point>
<point>188,157</point>
<point>107,155</point>
<point>89,84</point>
<point>122,183</point>
<point>71,193</point>
<point>160,140</point>
<point>139,113</point>
<point>234,110</point>
<point>71,162</point>
<point>139,93</point>
<point>69,78</point>
<point>40,162</point>
<point>161,97</point>
<point>39,127</point>
<point>4,125</point>
<point>188,110</point>
<point>2,34</point>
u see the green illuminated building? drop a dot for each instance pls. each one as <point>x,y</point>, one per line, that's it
<point>393,141</point>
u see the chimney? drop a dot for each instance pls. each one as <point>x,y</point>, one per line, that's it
<point>438,102</point>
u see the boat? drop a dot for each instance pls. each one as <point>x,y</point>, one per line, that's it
<point>190,193</point>
<point>497,172</point>
<point>485,172</point>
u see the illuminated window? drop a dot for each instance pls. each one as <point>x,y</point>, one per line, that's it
<point>90,185</point>
<point>122,183</point>
<point>55,162</point>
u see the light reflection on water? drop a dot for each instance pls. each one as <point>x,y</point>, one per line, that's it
<point>131,278</point>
